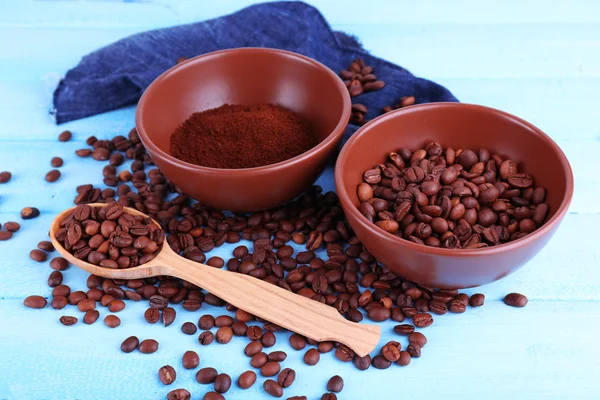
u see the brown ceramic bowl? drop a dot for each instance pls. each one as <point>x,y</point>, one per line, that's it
<point>459,126</point>
<point>244,76</point>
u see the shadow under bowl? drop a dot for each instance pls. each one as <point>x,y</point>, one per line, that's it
<point>455,125</point>
<point>244,76</point>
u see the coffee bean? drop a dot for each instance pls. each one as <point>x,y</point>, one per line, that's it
<point>325,347</point>
<point>179,394</point>
<point>457,306</point>
<point>206,338</point>
<point>59,263</point>
<point>379,314</point>
<point>152,315</point>
<point>224,335</point>
<point>213,395</point>
<point>515,300</point>
<point>5,176</point>
<point>12,226</point>
<point>29,213</point>
<point>91,316</point>
<point>68,321</point>
<point>148,346</point>
<point>391,351</point>
<point>297,342</point>
<point>206,375</point>
<point>222,383</point>
<point>272,388</point>
<point>246,379</point>
<point>414,350</point>
<point>335,384</point>
<point>329,396</point>
<point>190,359</point>
<point>423,320</point>
<point>167,375</point>
<point>258,360</point>
<point>65,136</point>
<point>404,329</point>
<point>253,348</point>
<point>312,357</point>
<point>223,320</point>
<point>59,302</point>
<point>116,305</point>
<point>45,246</point>
<point>37,255</point>
<point>112,321</point>
<point>268,339</point>
<point>344,353</point>
<point>404,359</point>
<point>380,362</point>
<point>286,377</point>
<point>477,300</point>
<point>35,302</point>
<point>168,316</point>
<point>130,344</point>
<point>417,338</point>
<point>278,356</point>
<point>188,328</point>
<point>55,278</point>
<point>270,368</point>
<point>53,175</point>
<point>206,322</point>
<point>56,162</point>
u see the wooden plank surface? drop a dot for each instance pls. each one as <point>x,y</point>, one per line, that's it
<point>537,59</point>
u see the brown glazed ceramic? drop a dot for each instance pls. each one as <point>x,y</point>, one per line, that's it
<point>459,126</point>
<point>244,76</point>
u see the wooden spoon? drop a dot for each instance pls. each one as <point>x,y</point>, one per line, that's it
<point>284,308</point>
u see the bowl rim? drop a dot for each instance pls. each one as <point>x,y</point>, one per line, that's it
<point>383,235</point>
<point>334,135</point>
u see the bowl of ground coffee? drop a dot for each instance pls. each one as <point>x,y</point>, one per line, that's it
<point>244,129</point>
<point>453,195</point>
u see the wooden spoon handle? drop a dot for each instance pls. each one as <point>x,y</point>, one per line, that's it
<point>272,303</point>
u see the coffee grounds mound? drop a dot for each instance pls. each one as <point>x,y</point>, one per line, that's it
<point>242,136</point>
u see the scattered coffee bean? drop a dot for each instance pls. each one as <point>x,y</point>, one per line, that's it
<point>190,359</point>
<point>286,377</point>
<point>414,350</point>
<point>246,379</point>
<point>56,162</point>
<point>55,279</point>
<point>422,320</point>
<point>477,300</point>
<point>272,388</point>
<point>5,235</point>
<point>404,102</point>
<point>268,339</point>
<point>258,360</point>
<point>253,348</point>
<point>12,226</point>
<point>206,322</point>
<point>112,321</point>
<point>168,316</point>
<point>29,213</point>
<point>68,321</point>
<point>311,357</point>
<point>404,359</point>
<point>206,338</point>
<point>148,346</point>
<point>37,255</point>
<point>224,335</point>
<point>344,353</point>
<point>179,394</point>
<point>297,398</point>
<point>380,362</point>
<point>152,315</point>
<point>222,383</point>
<point>391,351</point>
<point>404,329</point>
<point>418,338</point>
<point>362,363</point>
<point>130,344</point>
<point>213,395</point>
<point>35,302</point>
<point>116,306</point>
<point>515,300</point>
<point>298,342</point>
<point>206,375</point>
<point>335,384</point>
<point>167,374</point>
<point>91,316</point>
<point>278,356</point>
<point>45,246</point>
<point>59,264</point>
<point>329,396</point>
<point>189,328</point>
<point>52,176</point>
<point>271,368</point>
<point>65,136</point>
<point>5,176</point>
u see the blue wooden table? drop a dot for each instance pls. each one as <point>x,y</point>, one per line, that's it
<point>538,59</point>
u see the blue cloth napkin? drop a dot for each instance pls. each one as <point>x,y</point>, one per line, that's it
<point>116,75</point>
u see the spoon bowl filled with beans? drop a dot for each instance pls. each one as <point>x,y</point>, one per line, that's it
<point>453,195</point>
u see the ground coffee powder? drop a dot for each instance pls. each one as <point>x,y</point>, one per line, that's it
<point>242,136</point>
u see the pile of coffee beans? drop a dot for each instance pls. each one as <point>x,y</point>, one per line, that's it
<point>109,236</point>
<point>334,269</point>
<point>454,199</point>
<point>360,78</point>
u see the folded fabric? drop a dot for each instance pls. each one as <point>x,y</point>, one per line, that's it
<point>116,75</point>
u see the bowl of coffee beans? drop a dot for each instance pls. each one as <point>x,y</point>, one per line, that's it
<point>453,195</point>
<point>244,129</point>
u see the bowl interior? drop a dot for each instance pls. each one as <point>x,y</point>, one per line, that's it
<point>458,126</point>
<point>242,76</point>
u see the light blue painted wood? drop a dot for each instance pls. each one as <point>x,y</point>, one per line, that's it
<point>537,59</point>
